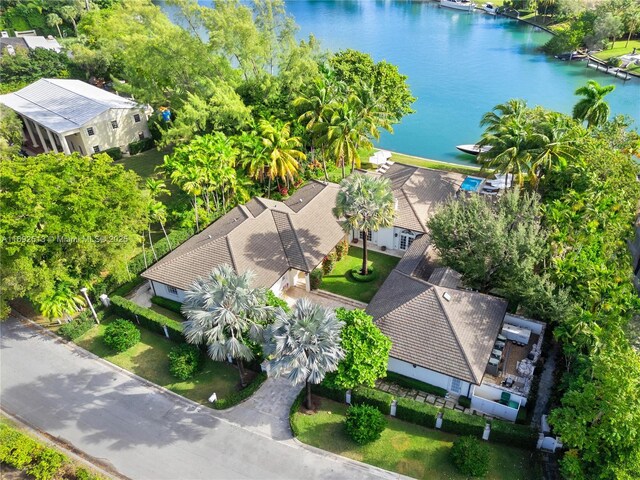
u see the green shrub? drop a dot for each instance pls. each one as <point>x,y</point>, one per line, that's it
<point>84,474</point>
<point>328,263</point>
<point>147,318</point>
<point>77,327</point>
<point>407,382</point>
<point>614,62</point>
<point>46,464</point>
<point>470,456</point>
<point>460,423</point>
<point>342,249</point>
<point>17,450</point>
<point>184,361</point>
<point>316,278</point>
<point>237,397</point>
<point>140,146</point>
<point>371,396</point>
<point>121,335</point>
<point>464,401</point>
<point>419,413</point>
<point>167,303</point>
<point>276,302</point>
<point>371,275</point>
<point>522,436</point>
<point>115,153</point>
<point>328,389</point>
<point>364,423</point>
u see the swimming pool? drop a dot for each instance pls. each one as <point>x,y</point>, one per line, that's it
<point>471,184</point>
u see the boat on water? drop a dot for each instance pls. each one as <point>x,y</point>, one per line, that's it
<point>473,149</point>
<point>465,5</point>
<point>490,8</point>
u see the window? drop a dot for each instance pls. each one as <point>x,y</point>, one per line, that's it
<point>455,385</point>
<point>141,135</point>
<point>172,290</point>
<point>90,131</point>
<point>136,117</point>
<point>96,148</point>
<point>368,235</point>
<point>114,124</point>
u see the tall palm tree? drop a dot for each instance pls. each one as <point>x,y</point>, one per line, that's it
<point>222,310</point>
<point>365,203</point>
<point>187,175</point>
<point>53,20</point>
<point>282,149</point>
<point>304,344</point>
<point>592,108</point>
<point>71,14</point>
<point>253,155</point>
<point>61,303</point>
<point>157,210</point>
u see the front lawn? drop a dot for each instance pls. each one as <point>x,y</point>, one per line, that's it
<point>618,49</point>
<point>407,449</point>
<point>149,360</point>
<point>340,282</point>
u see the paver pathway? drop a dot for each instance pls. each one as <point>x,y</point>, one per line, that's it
<point>142,431</point>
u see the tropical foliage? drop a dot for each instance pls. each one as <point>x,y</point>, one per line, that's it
<point>304,345</point>
<point>592,108</point>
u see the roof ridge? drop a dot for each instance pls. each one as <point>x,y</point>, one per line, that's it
<point>17,94</point>
<point>77,93</point>
<point>295,236</point>
<point>410,301</point>
<point>234,263</point>
<point>423,225</point>
<point>455,334</point>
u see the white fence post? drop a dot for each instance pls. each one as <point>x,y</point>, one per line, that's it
<point>394,403</point>
<point>347,397</point>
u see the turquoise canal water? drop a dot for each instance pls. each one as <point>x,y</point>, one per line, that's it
<point>459,66</point>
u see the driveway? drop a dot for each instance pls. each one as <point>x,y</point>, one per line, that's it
<point>143,432</point>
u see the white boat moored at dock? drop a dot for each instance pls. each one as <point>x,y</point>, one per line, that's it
<point>473,149</point>
<point>465,5</point>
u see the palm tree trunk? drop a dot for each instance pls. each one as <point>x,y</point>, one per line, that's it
<point>195,206</point>
<point>241,371</point>
<point>628,38</point>
<point>144,254</point>
<point>166,236</point>
<point>269,188</point>
<point>60,33</point>
<point>364,270</point>
<point>324,166</point>
<point>75,26</point>
<point>151,243</point>
<point>342,164</point>
<point>309,406</point>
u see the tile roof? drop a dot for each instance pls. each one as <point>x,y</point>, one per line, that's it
<point>265,236</point>
<point>62,105</point>
<point>418,192</point>
<point>452,336</point>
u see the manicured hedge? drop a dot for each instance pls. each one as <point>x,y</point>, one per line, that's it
<point>147,318</point>
<point>419,413</point>
<point>407,382</point>
<point>511,434</point>
<point>369,277</point>
<point>77,327</point>
<point>371,396</point>
<point>460,423</point>
<point>167,303</point>
<point>332,392</point>
<point>316,278</point>
<point>115,153</point>
<point>237,397</point>
<point>140,146</point>
<point>464,401</point>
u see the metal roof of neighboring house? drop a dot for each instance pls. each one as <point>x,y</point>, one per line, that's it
<point>265,236</point>
<point>418,192</point>
<point>62,105</point>
<point>452,334</point>
<point>34,42</point>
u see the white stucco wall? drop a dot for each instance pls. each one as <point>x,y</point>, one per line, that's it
<point>426,375</point>
<point>162,290</point>
<point>107,137</point>
<point>385,238</point>
<point>284,282</point>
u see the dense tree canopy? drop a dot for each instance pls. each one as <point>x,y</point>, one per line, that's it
<point>66,219</point>
<point>10,132</point>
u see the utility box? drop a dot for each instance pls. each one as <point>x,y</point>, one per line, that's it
<point>516,334</point>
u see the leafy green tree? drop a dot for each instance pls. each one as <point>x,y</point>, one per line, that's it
<point>71,13</point>
<point>61,303</point>
<point>28,66</point>
<point>304,345</point>
<point>365,203</point>
<point>10,132</point>
<point>592,108</point>
<point>223,312</point>
<point>365,347</point>
<point>631,18</point>
<point>607,25</point>
<point>66,218</point>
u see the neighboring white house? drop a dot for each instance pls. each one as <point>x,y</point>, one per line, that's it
<point>280,242</point>
<point>64,115</point>
<point>417,192</point>
<point>453,338</point>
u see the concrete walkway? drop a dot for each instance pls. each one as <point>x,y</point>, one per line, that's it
<point>145,432</point>
<point>545,386</point>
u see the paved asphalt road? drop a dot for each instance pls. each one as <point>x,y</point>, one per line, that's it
<point>140,431</point>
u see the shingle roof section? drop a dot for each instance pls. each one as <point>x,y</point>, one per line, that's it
<point>265,236</point>
<point>62,105</point>
<point>414,255</point>
<point>454,337</point>
<point>445,277</point>
<point>418,191</point>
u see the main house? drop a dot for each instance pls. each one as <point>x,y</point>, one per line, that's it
<point>417,192</point>
<point>281,242</point>
<point>457,339</point>
<point>63,115</point>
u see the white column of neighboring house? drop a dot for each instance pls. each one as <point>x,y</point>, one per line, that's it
<point>27,123</point>
<point>65,145</point>
<point>51,139</point>
<point>42,141</point>
<point>307,278</point>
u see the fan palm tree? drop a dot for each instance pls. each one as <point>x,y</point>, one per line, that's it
<point>281,148</point>
<point>304,344</point>
<point>222,310</point>
<point>62,302</point>
<point>365,203</point>
<point>592,108</point>
<point>71,14</point>
<point>53,20</point>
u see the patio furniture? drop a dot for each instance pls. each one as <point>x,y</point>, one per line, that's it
<point>499,345</point>
<point>502,338</point>
<point>496,353</point>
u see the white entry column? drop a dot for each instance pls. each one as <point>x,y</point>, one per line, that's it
<point>65,145</point>
<point>43,143</point>
<point>53,142</point>
<point>27,124</point>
